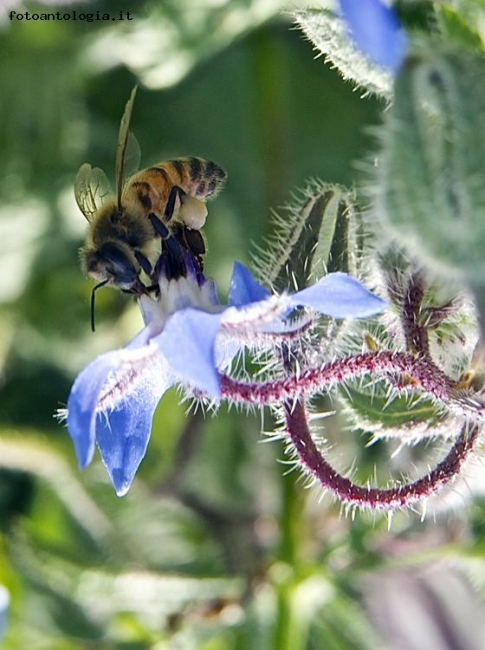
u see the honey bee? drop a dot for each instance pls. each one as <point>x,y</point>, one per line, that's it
<point>158,209</point>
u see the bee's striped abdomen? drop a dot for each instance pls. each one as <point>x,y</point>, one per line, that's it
<point>198,177</point>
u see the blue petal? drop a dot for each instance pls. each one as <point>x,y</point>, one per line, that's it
<point>376,30</point>
<point>122,433</point>
<point>82,403</point>
<point>340,296</point>
<point>244,289</point>
<point>187,343</point>
<point>121,426</point>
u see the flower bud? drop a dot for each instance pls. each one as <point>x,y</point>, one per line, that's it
<point>431,173</point>
<point>319,234</point>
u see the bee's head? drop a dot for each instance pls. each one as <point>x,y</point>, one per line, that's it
<point>112,264</point>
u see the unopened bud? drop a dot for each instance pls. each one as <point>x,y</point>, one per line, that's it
<point>431,174</point>
<point>317,235</point>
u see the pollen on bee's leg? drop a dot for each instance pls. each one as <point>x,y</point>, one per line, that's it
<point>193,212</point>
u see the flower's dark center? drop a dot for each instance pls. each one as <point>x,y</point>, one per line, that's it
<point>182,254</point>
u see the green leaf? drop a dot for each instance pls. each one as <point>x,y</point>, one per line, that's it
<point>455,27</point>
<point>328,33</point>
<point>175,37</point>
<point>372,410</point>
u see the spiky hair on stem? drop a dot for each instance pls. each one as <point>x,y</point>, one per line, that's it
<point>320,231</point>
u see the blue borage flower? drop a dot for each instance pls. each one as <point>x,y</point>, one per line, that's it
<point>377,32</point>
<point>188,338</point>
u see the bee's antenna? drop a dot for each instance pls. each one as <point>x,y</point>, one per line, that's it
<point>93,293</point>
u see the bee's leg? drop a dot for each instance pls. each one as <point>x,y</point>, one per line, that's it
<point>175,192</point>
<point>169,241</point>
<point>143,262</point>
<point>172,263</point>
<point>160,228</point>
<point>194,241</point>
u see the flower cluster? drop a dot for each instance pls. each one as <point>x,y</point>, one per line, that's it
<point>189,339</point>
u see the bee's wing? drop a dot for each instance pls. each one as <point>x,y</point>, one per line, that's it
<point>90,189</point>
<point>132,156</point>
<point>128,149</point>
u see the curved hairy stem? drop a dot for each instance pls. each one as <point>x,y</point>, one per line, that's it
<point>404,371</point>
<point>376,498</point>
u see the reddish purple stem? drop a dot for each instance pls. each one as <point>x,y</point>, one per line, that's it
<point>405,371</point>
<point>375,498</point>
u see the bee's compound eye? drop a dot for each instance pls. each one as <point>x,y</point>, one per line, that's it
<point>118,266</point>
<point>193,212</point>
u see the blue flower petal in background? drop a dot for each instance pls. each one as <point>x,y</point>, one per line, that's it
<point>340,296</point>
<point>244,289</point>
<point>376,30</point>
<point>187,343</point>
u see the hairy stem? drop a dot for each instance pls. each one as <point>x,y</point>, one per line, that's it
<point>404,370</point>
<point>375,498</point>
<point>415,333</point>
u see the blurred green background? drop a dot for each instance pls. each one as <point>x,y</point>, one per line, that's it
<point>217,546</point>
